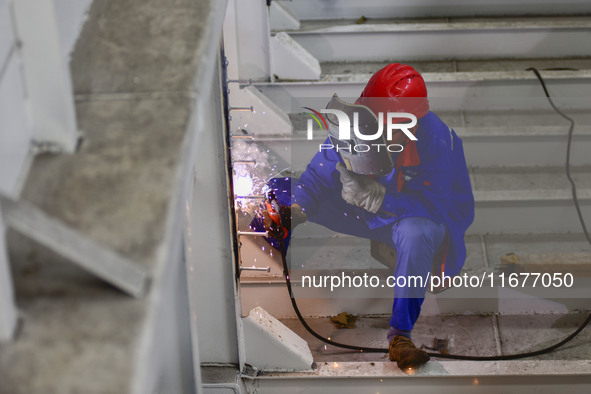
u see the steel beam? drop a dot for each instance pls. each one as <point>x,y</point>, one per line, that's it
<point>519,147</point>
<point>352,9</point>
<point>547,376</point>
<point>15,131</point>
<point>465,40</point>
<point>252,34</point>
<point>507,90</point>
<point>57,236</point>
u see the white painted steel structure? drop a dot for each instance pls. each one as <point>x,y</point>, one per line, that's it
<point>353,9</point>
<point>13,152</point>
<point>36,101</point>
<point>48,82</point>
<point>455,40</point>
<point>458,91</point>
<point>461,96</point>
<point>198,213</point>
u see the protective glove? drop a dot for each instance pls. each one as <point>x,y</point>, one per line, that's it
<point>277,224</point>
<point>289,218</point>
<point>361,190</point>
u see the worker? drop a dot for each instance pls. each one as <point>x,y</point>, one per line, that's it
<point>422,207</point>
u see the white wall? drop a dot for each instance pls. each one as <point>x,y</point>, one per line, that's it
<point>252,32</point>
<point>168,364</point>
<point>16,120</point>
<point>15,130</point>
<point>71,15</point>
<point>209,254</point>
<point>35,92</point>
<point>14,145</point>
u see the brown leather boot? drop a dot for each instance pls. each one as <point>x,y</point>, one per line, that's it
<point>406,355</point>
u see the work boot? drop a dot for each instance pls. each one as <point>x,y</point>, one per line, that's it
<point>406,355</point>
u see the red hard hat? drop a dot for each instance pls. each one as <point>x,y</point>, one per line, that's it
<point>396,88</point>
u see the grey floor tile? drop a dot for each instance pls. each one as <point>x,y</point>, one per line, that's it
<point>369,332</point>
<point>533,332</point>
<point>471,335</point>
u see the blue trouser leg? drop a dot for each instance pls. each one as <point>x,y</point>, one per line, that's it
<point>416,240</point>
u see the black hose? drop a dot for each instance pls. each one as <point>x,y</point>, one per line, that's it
<point>568,145</point>
<point>303,321</point>
<point>458,356</point>
<point>385,350</point>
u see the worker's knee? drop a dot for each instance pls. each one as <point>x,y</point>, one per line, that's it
<point>417,233</point>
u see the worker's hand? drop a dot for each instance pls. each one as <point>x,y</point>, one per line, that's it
<point>289,217</point>
<point>361,190</point>
<point>278,224</point>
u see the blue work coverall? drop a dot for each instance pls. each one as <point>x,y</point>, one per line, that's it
<point>426,211</point>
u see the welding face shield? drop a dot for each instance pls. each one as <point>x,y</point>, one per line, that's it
<point>357,136</point>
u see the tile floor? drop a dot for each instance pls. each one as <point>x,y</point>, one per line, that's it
<point>484,335</point>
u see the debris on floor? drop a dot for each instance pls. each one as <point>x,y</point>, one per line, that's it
<point>361,20</point>
<point>344,320</point>
<point>439,345</point>
<point>575,263</point>
<point>509,262</point>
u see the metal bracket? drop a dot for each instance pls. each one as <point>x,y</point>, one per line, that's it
<point>268,119</point>
<point>271,346</point>
<point>253,268</point>
<point>108,265</point>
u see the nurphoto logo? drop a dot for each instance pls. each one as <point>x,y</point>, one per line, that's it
<point>357,141</point>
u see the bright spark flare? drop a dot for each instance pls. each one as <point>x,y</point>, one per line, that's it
<point>243,186</point>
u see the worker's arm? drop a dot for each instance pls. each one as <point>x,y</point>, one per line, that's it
<point>430,189</point>
<point>361,190</point>
<point>297,215</point>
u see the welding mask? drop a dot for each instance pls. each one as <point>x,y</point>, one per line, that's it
<point>366,154</point>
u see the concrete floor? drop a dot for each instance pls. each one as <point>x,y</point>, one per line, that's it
<point>484,335</point>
